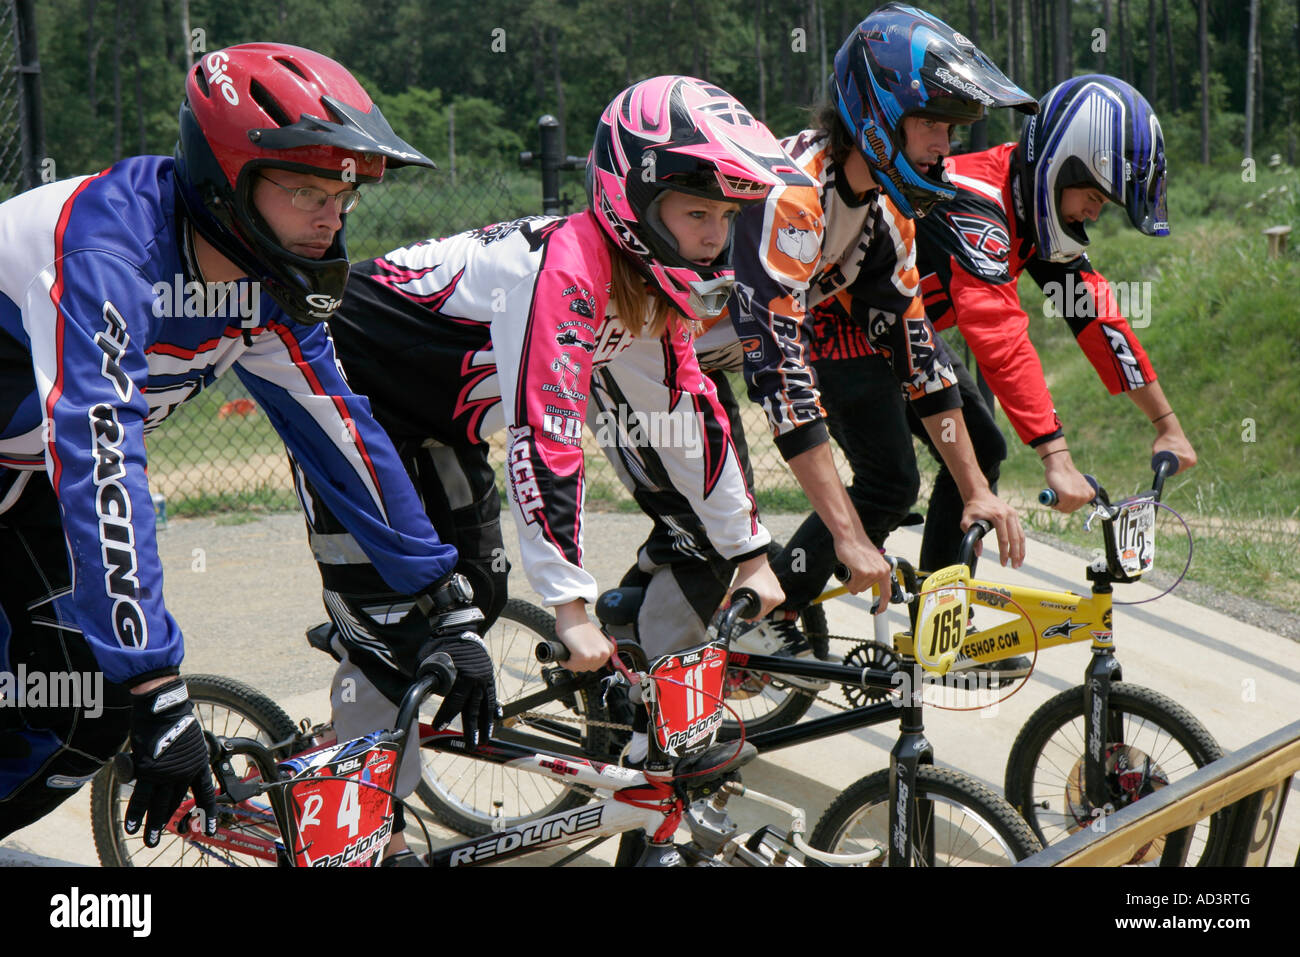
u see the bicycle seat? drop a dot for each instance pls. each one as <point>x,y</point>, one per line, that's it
<point>619,606</point>
<point>713,764</point>
<point>321,638</point>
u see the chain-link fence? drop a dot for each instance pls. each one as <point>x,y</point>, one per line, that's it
<point>218,451</point>
<point>11,128</point>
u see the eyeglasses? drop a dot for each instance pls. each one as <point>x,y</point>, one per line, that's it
<point>310,199</point>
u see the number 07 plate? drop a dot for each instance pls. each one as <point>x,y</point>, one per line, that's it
<point>1134,532</point>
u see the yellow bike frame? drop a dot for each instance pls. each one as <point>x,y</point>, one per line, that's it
<point>1045,619</point>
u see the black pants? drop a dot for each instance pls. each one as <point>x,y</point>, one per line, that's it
<point>46,752</point>
<point>874,426</point>
<point>375,624</point>
<point>684,576</point>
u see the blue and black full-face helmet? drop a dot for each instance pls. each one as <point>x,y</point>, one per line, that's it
<point>901,61</point>
<point>1095,131</point>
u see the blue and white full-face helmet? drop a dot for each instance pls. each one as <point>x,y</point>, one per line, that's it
<point>1095,131</point>
<point>901,61</point>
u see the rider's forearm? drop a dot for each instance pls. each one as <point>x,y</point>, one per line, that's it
<point>1151,400</point>
<point>571,613</point>
<point>815,472</point>
<point>947,430</point>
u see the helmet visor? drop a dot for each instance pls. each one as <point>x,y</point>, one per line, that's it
<point>1147,208</point>
<point>709,296</point>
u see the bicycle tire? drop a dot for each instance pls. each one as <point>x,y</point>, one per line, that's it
<point>973,825</point>
<point>463,794</point>
<point>1046,763</point>
<point>223,706</point>
<point>763,702</point>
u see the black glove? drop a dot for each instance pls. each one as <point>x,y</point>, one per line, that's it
<point>452,615</point>
<point>171,757</point>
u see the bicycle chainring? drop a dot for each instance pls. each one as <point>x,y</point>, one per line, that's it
<point>869,654</point>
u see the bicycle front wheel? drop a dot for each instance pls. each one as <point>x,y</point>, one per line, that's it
<point>1160,742</point>
<point>225,707</point>
<point>469,796</point>
<point>969,825</point>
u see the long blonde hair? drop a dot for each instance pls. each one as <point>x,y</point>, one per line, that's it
<point>642,310</point>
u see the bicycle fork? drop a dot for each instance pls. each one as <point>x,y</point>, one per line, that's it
<point>907,829</point>
<point>1101,726</point>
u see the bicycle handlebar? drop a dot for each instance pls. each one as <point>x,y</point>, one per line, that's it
<point>1049,497</point>
<point>745,603</point>
<point>1163,465</point>
<point>438,674</point>
<point>966,553</point>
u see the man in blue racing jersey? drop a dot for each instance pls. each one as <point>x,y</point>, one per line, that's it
<point>126,293</point>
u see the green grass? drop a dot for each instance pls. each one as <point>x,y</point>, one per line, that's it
<point>195,434</point>
<point>1224,337</point>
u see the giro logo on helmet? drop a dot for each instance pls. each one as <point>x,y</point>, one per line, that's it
<point>322,305</point>
<point>217,70</point>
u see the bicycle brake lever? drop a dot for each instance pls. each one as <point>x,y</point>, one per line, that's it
<point>608,684</point>
<point>1101,510</point>
<point>1087,522</point>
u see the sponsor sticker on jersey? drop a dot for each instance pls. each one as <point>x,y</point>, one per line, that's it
<point>523,480</point>
<point>793,245</point>
<point>984,240</point>
<point>581,300</point>
<point>568,373</point>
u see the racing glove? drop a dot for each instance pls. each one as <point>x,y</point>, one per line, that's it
<point>453,616</point>
<point>170,756</point>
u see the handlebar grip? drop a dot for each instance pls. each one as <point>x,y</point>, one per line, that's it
<point>1049,498</point>
<point>841,572</point>
<point>1165,464</point>
<point>746,602</point>
<point>124,766</point>
<point>440,668</point>
<point>548,651</point>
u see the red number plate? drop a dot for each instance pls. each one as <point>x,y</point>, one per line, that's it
<point>687,706</point>
<point>341,817</point>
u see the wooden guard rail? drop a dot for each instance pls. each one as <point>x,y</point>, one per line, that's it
<point>1248,788</point>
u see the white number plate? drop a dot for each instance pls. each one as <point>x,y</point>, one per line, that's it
<point>1135,538</point>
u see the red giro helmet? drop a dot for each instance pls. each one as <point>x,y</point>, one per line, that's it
<point>261,105</point>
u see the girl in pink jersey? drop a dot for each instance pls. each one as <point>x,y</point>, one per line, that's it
<point>501,328</point>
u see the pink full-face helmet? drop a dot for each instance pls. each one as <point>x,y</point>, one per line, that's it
<point>679,133</point>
